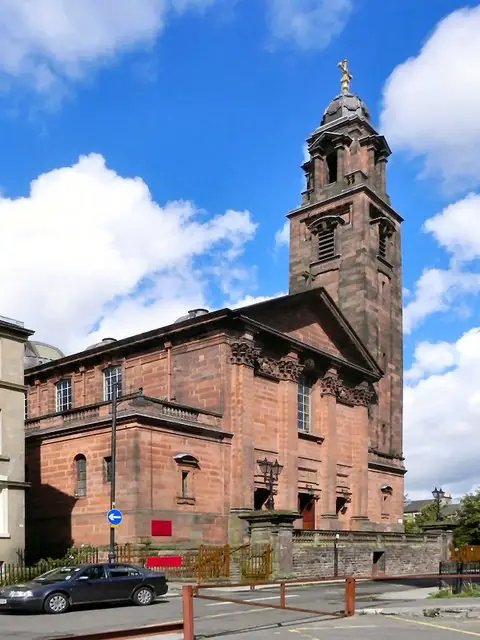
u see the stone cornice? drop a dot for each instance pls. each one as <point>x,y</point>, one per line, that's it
<point>386,468</point>
<point>133,418</point>
<point>347,193</point>
<point>12,386</point>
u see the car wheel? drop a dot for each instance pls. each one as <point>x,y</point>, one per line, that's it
<point>56,603</point>
<point>143,596</point>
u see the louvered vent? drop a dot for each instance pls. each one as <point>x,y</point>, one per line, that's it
<point>326,244</point>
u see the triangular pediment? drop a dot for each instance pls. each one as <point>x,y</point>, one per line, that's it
<point>313,318</point>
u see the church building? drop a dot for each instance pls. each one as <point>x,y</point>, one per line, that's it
<point>309,384</point>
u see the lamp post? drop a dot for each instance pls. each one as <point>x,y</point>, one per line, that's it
<point>271,471</point>
<point>116,392</point>
<point>438,495</point>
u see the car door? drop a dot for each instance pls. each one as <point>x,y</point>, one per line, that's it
<point>123,580</point>
<point>91,586</point>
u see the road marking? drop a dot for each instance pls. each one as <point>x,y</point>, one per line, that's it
<point>222,604</point>
<point>357,626</point>
<point>438,626</point>
<point>234,613</point>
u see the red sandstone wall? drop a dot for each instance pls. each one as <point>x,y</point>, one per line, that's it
<point>148,486</point>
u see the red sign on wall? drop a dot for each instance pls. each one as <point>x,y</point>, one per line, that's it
<point>162,562</point>
<point>161,527</point>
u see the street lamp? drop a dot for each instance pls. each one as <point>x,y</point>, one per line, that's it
<point>116,393</point>
<point>271,471</point>
<point>438,495</point>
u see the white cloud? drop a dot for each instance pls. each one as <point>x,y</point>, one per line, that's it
<point>435,291</point>
<point>308,24</point>
<point>90,249</point>
<point>249,300</point>
<point>282,236</point>
<point>431,102</point>
<point>442,413</point>
<point>44,41</point>
<point>431,358</point>
<point>456,228</point>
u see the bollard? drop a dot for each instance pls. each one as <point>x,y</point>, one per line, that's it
<point>188,631</point>
<point>350,597</point>
<point>282,595</point>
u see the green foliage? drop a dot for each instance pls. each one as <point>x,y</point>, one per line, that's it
<point>468,521</point>
<point>469,590</point>
<point>14,574</point>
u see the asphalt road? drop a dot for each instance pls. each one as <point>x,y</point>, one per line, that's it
<point>222,618</point>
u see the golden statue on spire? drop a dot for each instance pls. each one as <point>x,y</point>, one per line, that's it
<point>346,76</point>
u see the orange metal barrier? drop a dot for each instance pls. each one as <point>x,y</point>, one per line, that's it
<point>190,592</point>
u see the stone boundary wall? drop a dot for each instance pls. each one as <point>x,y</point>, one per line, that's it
<point>364,554</point>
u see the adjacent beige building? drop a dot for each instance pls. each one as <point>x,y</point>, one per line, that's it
<point>13,336</point>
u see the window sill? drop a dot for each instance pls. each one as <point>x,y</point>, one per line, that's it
<point>311,437</point>
<point>181,500</point>
<point>4,458</point>
<point>5,536</point>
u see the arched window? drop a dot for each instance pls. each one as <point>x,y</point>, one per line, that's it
<point>80,476</point>
<point>332,165</point>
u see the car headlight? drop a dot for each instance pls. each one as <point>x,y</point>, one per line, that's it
<point>21,594</point>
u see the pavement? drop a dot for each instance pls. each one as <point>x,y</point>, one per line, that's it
<point>222,619</point>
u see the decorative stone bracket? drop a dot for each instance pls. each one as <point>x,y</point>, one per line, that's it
<point>357,395</point>
<point>248,354</point>
<point>244,353</point>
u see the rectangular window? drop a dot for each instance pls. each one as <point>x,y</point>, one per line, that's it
<point>304,409</point>
<point>64,395</point>
<point>112,383</point>
<point>4,532</point>
<point>25,408</point>
<point>107,469</point>
<point>326,244</point>
<point>185,484</point>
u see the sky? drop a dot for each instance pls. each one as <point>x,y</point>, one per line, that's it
<point>152,149</point>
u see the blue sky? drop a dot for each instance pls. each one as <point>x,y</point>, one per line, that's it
<point>150,155</point>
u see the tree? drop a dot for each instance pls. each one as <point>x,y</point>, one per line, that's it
<point>468,521</point>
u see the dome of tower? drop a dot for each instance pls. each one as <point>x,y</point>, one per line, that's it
<point>345,105</point>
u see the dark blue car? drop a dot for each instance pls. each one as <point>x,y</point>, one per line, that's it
<point>58,590</point>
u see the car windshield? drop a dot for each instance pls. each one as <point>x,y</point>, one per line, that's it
<point>58,575</point>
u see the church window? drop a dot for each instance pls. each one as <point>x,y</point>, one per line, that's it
<point>112,382</point>
<point>304,409</point>
<point>80,476</point>
<point>64,395</point>
<point>326,243</point>
<point>332,165</point>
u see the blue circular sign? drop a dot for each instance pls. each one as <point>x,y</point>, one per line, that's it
<point>115,517</point>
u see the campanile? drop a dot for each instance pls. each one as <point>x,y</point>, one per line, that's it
<point>346,237</point>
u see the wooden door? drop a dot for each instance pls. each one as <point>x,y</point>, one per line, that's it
<point>306,507</point>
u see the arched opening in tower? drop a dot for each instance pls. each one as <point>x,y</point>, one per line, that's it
<point>332,165</point>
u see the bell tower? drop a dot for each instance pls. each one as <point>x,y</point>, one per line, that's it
<point>346,237</point>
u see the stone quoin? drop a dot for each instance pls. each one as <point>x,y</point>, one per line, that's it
<point>312,379</point>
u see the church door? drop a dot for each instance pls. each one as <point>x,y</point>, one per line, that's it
<point>306,507</point>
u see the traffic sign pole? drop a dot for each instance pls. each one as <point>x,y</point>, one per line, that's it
<point>116,389</point>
